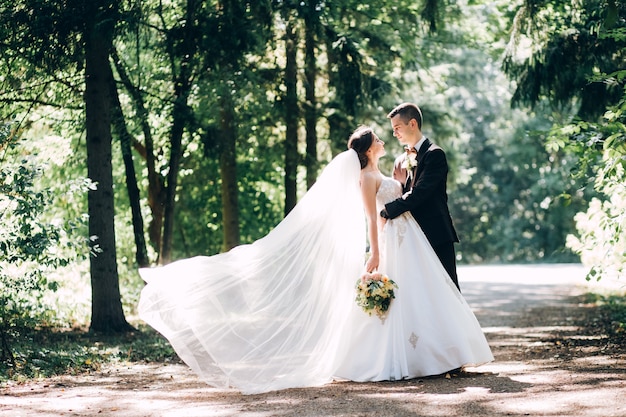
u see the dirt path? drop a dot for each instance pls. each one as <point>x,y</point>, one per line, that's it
<point>546,365</point>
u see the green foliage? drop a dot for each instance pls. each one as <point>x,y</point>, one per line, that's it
<point>572,56</point>
<point>52,34</point>
<point>31,247</point>
<point>594,82</point>
<point>557,45</point>
<point>40,56</point>
<point>601,241</point>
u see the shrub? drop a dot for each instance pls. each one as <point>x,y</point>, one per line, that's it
<point>30,247</point>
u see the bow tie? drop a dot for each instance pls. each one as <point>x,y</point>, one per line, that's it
<point>410,150</point>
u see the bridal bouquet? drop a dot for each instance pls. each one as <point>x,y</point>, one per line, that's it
<point>374,293</point>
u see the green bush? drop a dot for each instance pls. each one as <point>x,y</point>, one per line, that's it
<point>600,239</point>
<point>30,247</point>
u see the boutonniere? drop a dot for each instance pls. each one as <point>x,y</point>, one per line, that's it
<point>410,162</point>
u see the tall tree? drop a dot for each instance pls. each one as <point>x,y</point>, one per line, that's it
<point>156,181</point>
<point>156,26</point>
<point>364,43</point>
<point>311,13</point>
<point>52,38</point>
<point>134,196</point>
<point>361,44</point>
<point>106,307</point>
<point>182,49</point>
<point>228,168</point>
<point>291,116</point>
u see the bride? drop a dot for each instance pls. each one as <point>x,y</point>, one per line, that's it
<point>281,313</point>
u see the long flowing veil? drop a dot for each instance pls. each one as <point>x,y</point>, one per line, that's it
<point>268,315</point>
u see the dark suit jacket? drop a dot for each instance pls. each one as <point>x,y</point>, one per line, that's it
<point>426,194</point>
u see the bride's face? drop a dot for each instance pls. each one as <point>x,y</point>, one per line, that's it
<point>378,147</point>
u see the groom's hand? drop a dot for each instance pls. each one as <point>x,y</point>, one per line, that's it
<point>384,214</point>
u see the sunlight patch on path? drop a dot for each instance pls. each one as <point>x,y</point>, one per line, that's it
<point>536,274</point>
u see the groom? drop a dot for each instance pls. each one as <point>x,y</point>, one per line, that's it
<point>423,170</point>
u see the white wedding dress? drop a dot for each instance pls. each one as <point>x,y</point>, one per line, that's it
<point>280,313</point>
<point>429,329</point>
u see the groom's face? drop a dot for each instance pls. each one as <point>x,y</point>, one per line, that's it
<point>400,129</point>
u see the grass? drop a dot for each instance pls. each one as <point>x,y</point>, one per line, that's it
<point>47,352</point>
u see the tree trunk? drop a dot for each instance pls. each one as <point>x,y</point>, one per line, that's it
<point>228,171</point>
<point>106,308</point>
<point>176,153</point>
<point>310,109</point>
<point>180,118</point>
<point>119,123</point>
<point>291,120</point>
<point>7,353</point>
<point>156,190</point>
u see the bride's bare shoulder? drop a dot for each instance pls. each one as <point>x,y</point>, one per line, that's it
<point>371,178</point>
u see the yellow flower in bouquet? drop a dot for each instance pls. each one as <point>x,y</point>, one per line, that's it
<point>374,293</point>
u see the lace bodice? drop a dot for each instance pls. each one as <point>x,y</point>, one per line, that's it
<point>389,190</point>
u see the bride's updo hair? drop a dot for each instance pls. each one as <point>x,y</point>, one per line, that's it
<point>360,141</point>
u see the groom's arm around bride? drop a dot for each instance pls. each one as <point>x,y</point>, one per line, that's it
<point>424,185</point>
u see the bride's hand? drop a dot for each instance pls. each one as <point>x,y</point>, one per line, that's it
<point>372,263</point>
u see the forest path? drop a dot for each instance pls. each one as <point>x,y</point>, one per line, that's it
<point>549,362</point>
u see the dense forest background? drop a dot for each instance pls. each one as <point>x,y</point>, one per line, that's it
<point>138,132</point>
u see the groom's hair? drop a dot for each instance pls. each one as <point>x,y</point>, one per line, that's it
<point>407,111</point>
